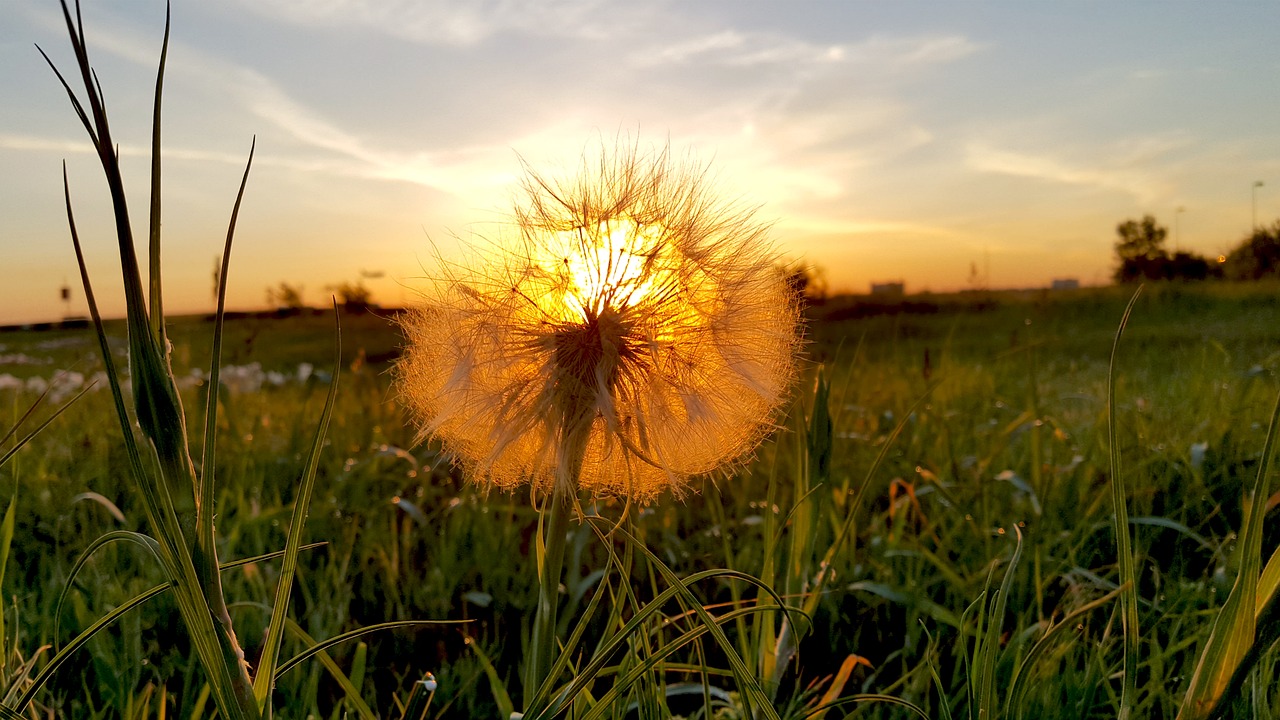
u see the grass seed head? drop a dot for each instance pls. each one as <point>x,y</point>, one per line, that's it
<point>631,319</point>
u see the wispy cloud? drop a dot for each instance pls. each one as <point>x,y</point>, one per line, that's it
<point>451,22</point>
<point>745,49</point>
<point>1123,175</point>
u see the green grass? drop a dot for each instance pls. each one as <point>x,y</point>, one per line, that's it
<point>1012,436</point>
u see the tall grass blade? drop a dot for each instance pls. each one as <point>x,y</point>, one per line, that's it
<point>6,541</point>
<point>1234,630</point>
<point>297,524</point>
<point>157,302</point>
<point>1120,523</point>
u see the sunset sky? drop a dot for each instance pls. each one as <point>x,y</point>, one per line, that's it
<point>885,140</point>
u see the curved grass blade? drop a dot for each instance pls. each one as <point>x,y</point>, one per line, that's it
<point>619,640</point>
<point>80,640</point>
<point>743,676</point>
<point>349,689</point>
<point>324,645</point>
<point>647,664</point>
<point>874,698</point>
<point>1018,684</point>
<point>101,541</point>
<point>85,635</point>
<point>1120,524</point>
<point>265,677</point>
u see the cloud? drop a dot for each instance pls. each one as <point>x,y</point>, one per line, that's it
<point>449,22</point>
<point>1121,177</point>
<point>732,48</point>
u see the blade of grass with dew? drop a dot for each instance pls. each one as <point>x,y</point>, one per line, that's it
<point>1235,627</point>
<point>297,524</point>
<point>501,697</point>
<point>1019,683</point>
<point>1120,522</point>
<point>995,625</point>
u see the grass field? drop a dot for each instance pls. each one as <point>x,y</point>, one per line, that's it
<point>1009,439</point>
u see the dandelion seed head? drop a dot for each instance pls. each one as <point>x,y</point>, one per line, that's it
<point>629,318</point>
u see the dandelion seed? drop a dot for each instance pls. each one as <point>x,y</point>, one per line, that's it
<point>635,332</point>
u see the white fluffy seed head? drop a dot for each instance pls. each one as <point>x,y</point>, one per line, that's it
<point>634,320</point>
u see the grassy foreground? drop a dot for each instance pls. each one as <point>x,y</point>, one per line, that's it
<point>1010,440</point>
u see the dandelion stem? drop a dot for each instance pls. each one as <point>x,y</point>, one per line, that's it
<point>543,644</point>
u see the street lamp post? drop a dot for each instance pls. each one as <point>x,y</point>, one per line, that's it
<point>1256,184</point>
<point>1177,229</point>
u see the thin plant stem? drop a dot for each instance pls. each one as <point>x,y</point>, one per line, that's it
<point>542,647</point>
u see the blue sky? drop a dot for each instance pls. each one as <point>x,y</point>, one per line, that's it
<point>885,140</point>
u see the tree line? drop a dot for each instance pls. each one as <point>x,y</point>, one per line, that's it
<point>1141,251</point>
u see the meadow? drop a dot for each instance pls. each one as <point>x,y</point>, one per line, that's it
<point>937,499</point>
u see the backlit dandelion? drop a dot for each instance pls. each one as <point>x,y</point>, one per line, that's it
<point>635,331</point>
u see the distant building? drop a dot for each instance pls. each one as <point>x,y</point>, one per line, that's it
<point>1065,284</point>
<point>888,289</point>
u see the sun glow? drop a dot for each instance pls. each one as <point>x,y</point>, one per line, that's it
<point>616,267</point>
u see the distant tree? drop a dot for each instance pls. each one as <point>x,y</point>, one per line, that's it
<point>1188,266</point>
<point>1141,250</point>
<point>354,296</point>
<point>1257,256</point>
<point>807,282</point>
<point>286,297</point>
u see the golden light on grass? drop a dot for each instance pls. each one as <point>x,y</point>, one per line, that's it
<point>632,331</point>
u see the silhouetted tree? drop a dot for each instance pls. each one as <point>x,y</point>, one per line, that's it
<point>1141,250</point>
<point>1188,266</point>
<point>354,296</point>
<point>807,282</point>
<point>286,298</point>
<point>1258,256</point>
